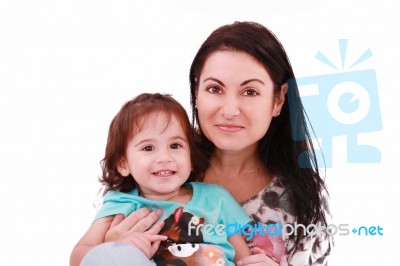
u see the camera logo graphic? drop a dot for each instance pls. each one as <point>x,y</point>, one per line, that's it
<point>338,104</point>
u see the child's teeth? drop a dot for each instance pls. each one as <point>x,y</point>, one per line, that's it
<point>164,173</point>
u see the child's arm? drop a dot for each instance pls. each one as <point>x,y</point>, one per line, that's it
<point>93,237</point>
<point>240,246</point>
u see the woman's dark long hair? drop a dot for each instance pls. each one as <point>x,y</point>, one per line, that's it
<point>277,149</point>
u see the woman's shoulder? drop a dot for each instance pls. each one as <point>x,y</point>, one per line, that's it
<point>273,200</point>
<point>275,194</point>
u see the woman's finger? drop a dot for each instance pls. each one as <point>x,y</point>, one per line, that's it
<point>156,228</point>
<point>147,243</point>
<point>133,219</point>
<point>143,224</point>
<point>117,219</point>
<point>142,242</point>
<point>155,238</point>
<point>257,250</point>
<point>154,247</point>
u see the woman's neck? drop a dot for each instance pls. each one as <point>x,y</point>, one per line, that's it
<point>241,173</point>
<point>237,163</point>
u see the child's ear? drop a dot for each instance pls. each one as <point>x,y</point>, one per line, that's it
<point>123,167</point>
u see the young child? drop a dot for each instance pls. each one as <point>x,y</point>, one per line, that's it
<point>150,161</point>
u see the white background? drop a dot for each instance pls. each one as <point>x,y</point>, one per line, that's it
<point>66,67</point>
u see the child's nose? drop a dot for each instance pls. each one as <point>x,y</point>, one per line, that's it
<point>164,157</point>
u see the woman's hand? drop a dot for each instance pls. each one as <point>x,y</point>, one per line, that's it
<point>258,258</point>
<point>148,243</point>
<point>138,221</point>
<point>139,229</point>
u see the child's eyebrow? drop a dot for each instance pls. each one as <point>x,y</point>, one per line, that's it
<point>143,141</point>
<point>179,138</point>
<point>184,139</point>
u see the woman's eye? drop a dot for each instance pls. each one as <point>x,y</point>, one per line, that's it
<point>250,93</point>
<point>148,148</point>
<point>175,146</point>
<point>214,90</point>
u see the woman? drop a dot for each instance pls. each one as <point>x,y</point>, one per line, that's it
<point>239,80</point>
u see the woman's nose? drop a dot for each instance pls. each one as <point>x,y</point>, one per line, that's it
<point>230,108</point>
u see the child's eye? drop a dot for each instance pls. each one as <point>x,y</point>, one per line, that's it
<point>175,146</point>
<point>148,148</point>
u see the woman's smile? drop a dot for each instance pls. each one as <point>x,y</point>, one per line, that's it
<point>229,128</point>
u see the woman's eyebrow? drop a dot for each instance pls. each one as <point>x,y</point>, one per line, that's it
<point>251,80</point>
<point>242,84</point>
<point>216,80</point>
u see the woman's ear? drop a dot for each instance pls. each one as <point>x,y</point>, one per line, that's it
<point>280,100</point>
<point>123,167</point>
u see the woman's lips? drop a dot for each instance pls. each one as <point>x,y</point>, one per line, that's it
<point>229,127</point>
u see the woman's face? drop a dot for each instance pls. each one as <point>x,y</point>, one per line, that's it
<point>235,100</point>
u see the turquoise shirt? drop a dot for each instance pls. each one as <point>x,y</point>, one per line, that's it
<point>197,231</point>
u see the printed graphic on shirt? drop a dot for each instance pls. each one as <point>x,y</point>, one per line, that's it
<point>183,244</point>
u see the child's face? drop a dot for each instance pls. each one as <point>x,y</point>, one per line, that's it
<point>158,157</point>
